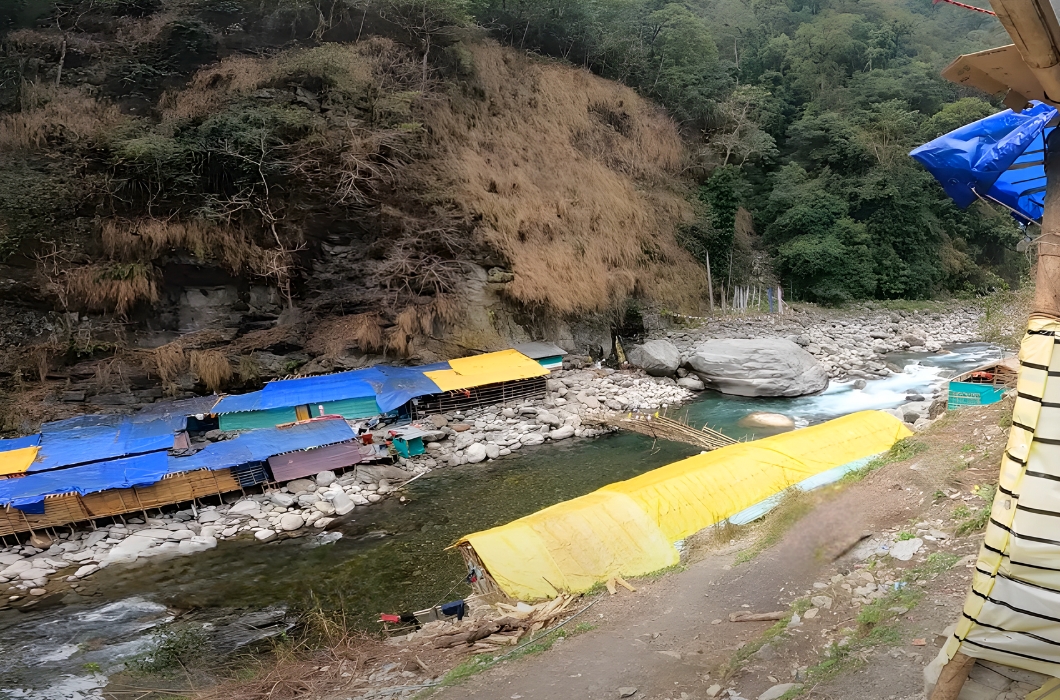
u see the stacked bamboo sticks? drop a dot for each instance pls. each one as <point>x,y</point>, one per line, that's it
<point>659,425</point>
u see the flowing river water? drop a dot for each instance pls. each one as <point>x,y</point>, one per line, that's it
<point>391,557</point>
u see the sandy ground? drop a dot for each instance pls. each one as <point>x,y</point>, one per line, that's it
<point>672,638</point>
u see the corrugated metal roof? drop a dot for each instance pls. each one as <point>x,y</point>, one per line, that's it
<point>538,350</point>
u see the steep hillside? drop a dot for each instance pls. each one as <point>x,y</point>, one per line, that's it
<point>200,195</point>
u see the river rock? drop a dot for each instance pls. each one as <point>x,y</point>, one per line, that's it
<point>86,570</point>
<point>284,500</point>
<point>264,535</point>
<point>476,453</point>
<point>209,516</point>
<point>17,568</point>
<point>40,540</point>
<point>905,549</point>
<point>291,521</point>
<point>692,383</point>
<point>343,504</point>
<point>758,367</point>
<point>532,439</point>
<point>776,691</point>
<point>178,535</point>
<point>301,485</point>
<point>492,451</point>
<point>372,473</point>
<point>659,358</point>
<point>762,419</point>
<point>196,544</point>
<point>245,507</point>
<point>324,507</point>
<point>325,478</point>
<point>563,433</point>
<point>128,550</point>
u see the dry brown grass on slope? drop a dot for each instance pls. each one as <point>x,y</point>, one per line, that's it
<point>212,368</point>
<point>53,114</point>
<point>108,289</point>
<point>574,179</point>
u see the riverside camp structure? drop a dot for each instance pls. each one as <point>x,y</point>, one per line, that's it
<point>99,466</point>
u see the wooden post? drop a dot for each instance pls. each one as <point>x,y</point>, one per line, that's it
<point>710,286</point>
<point>952,678</point>
<point>1047,279</point>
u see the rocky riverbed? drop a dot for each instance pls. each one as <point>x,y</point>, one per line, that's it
<point>845,347</point>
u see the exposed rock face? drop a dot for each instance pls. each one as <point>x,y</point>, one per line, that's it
<point>659,358</point>
<point>761,419</point>
<point>759,367</point>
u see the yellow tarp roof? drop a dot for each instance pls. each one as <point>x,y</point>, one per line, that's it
<point>17,461</point>
<point>628,528</point>
<point>493,367</point>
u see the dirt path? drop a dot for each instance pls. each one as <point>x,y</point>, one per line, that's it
<point>672,638</point>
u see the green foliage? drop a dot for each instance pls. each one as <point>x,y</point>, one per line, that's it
<point>173,648</point>
<point>970,521</point>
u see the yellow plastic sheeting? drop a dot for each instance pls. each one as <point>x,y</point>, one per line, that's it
<point>628,528</point>
<point>17,461</point>
<point>493,367</point>
<point>1009,616</point>
<point>572,545</point>
<point>687,496</point>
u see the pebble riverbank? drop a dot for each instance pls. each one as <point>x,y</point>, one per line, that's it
<point>849,347</point>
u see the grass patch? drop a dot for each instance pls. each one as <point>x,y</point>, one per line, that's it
<point>901,450</point>
<point>793,506</point>
<point>876,625</point>
<point>975,520</point>
<point>173,649</point>
<point>752,647</point>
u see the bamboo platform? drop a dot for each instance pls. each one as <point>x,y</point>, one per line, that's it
<point>69,508</point>
<point>659,425</point>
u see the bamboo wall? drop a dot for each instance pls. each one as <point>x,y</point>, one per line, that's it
<point>69,508</point>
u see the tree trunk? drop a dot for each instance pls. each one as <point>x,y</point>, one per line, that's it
<point>1047,281</point>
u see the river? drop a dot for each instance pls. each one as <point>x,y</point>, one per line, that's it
<point>391,558</point>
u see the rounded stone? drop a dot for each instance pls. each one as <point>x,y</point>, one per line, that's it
<point>291,521</point>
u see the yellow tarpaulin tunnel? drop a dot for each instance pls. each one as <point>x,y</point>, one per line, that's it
<point>628,528</point>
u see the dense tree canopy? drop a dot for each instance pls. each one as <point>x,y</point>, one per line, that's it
<point>805,111</point>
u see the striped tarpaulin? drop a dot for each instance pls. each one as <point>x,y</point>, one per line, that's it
<point>1012,614</point>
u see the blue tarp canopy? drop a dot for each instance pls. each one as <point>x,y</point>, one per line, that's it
<point>1001,157</point>
<point>27,492</point>
<point>259,445</point>
<point>94,438</point>
<point>391,387</point>
<point>19,443</point>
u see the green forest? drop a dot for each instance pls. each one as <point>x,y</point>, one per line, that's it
<point>797,114</point>
<point>803,112</point>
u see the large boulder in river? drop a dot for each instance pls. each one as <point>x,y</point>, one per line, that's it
<point>659,358</point>
<point>759,367</point>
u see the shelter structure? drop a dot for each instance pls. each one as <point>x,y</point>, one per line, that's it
<point>353,395</point>
<point>547,355</point>
<point>135,483</point>
<point>483,380</point>
<point>983,385</point>
<point>629,528</point>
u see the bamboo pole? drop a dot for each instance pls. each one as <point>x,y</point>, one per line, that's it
<point>1047,278</point>
<point>710,286</point>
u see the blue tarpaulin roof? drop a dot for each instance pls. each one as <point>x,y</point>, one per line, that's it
<point>19,443</point>
<point>94,438</point>
<point>259,445</point>
<point>1001,157</point>
<point>391,387</point>
<point>27,493</point>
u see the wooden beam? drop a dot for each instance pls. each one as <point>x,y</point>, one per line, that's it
<point>952,678</point>
<point>1047,279</point>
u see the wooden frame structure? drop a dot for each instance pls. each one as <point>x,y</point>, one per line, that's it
<point>479,397</point>
<point>70,508</point>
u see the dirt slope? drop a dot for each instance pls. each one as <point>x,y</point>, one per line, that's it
<point>672,639</point>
